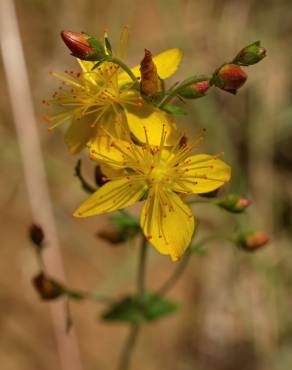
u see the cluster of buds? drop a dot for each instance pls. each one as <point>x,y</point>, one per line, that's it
<point>252,241</point>
<point>230,76</point>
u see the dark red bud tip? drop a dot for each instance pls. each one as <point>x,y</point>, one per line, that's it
<point>262,52</point>
<point>77,43</point>
<point>202,86</point>
<point>253,241</point>
<point>36,235</point>
<point>47,288</point>
<point>232,77</point>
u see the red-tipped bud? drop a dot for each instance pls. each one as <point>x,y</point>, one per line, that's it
<point>37,235</point>
<point>233,203</point>
<point>251,54</point>
<point>83,46</point>
<point>229,77</point>
<point>196,90</point>
<point>150,83</point>
<point>47,288</point>
<point>253,241</point>
<point>77,43</point>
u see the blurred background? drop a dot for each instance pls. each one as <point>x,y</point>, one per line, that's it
<point>235,307</point>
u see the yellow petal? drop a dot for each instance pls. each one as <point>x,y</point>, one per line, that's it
<point>166,62</point>
<point>153,120</point>
<point>78,134</point>
<point>112,196</point>
<point>203,173</point>
<point>167,223</point>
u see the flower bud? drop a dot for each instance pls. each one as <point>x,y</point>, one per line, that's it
<point>233,203</point>
<point>196,90</point>
<point>47,288</point>
<point>252,241</point>
<point>229,77</point>
<point>36,235</point>
<point>100,178</point>
<point>150,83</point>
<point>83,46</point>
<point>251,54</point>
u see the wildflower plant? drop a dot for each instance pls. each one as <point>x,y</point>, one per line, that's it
<point>125,119</point>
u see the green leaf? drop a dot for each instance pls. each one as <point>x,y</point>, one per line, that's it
<point>137,310</point>
<point>96,45</point>
<point>175,110</point>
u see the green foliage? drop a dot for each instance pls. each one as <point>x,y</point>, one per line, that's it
<point>175,110</point>
<point>133,309</point>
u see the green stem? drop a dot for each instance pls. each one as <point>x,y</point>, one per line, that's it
<point>131,341</point>
<point>128,347</point>
<point>141,268</point>
<point>124,67</point>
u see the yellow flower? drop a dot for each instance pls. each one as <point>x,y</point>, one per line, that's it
<point>103,101</point>
<point>164,176</point>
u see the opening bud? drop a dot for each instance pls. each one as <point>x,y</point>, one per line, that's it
<point>150,83</point>
<point>196,90</point>
<point>233,203</point>
<point>83,46</point>
<point>251,54</point>
<point>37,235</point>
<point>252,241</point>
<point>47,288</point>
<point>229,77</point>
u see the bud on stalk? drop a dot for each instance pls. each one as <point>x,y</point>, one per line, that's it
<point>194,91</point>
<point>83,46</point>
<point>150,83</point>
<point>37,235</point>
<point>233,203</point>
<point>47,288</point>
<point>251,54</point>
<point>252,241</point>
<point>229,77</point>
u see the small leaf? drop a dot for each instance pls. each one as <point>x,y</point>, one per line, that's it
<point>108,45</point>
<point>200,251</point>
<point>97,64</point>
<point>175,110</point>
<point>96,45</point>
<point>134,309</point>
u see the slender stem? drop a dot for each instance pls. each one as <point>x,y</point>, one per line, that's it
<point>129,347</point>
<point>124,67</point>
<point>141,268</point>
<point>175,275</point>
<point>84,184</point>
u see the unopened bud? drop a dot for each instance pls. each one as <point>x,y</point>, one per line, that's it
<point>229,77</point>
<point>252,241</point>
<point>196,90</point>
<point>233,203</point>
<point>150,83</point>
<point>251,54</point>
<point>100,178</point>
<point>37,235</point>
<point>83,46</point>
<point>47,288</point>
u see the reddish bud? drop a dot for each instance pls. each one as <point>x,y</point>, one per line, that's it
<point>100,178</point>
<point>196,90</point>
<point>77,43</point>
<point>253,241</point>
<point>229,77</point>
<point>233,203</point>
<point>36,235</point>
<point>47,288</point>
<point>150,83</point>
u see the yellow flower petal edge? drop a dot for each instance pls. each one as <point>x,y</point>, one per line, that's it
<point>112,196</point>
<point>166,62</point>
<point>169,229</point>
<point>203,173</point>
